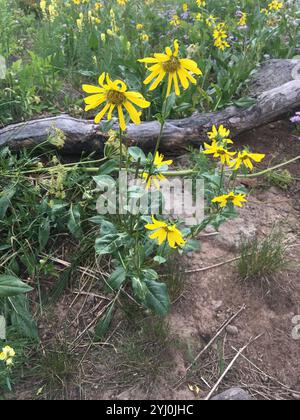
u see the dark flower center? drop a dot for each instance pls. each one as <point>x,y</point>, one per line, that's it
<point>115,97</point>
<point>172,65</point>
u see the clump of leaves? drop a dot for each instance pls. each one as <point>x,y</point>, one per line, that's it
<point>281,178</point>
<point>260,260</point>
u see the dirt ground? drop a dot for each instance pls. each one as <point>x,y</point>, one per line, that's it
<point>269,367</point>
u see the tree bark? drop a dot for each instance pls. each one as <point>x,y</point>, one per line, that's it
<point>281,96</point>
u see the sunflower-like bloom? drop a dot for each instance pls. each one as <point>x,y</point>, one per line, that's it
<point>171,66</point>
<point>245,158</point>
<point>220,134</point>
<point>165,232</point>
<point>7,355</point>
<point>275,5</point>
<point>114,95</point>
<point>156,177</point>
<point>235,199</point>
<point>219,152</point>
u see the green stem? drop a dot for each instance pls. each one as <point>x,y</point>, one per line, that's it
<point>121,149</point>
<point>266,171</point>
<point>71,166</point>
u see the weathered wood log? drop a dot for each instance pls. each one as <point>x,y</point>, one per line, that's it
<point>282,78</point>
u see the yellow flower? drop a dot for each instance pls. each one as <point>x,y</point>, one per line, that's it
<point>174,68</point>
<point>155,180</point>
<point>219,152</point>
<point>220,134</point>
<point>159,161</point>
<point>243,19</point>
<point>210,21</point>
<point>165,232</point>
<point>235,199</point>
<point>144,37</point>
<point>201,3</point>
<point>115,96</point>
<point>7,355</point>
<point>275,5</point>
<point>220,36</point>
<point>221,44</point>
<point>43,6</point>
<point>156,177</point>
<point>185,7</point>
<point>175,20</point>
<point>245,158</point>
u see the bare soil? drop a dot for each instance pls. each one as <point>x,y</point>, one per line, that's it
<point>155,368</point>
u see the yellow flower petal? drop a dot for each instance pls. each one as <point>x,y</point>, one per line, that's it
<point>121,118</point>
<point>133,113</point>
<point>101,114</point>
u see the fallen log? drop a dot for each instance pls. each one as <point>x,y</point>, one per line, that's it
<point>282,78</point>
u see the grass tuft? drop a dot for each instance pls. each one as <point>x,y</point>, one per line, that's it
<point>260,260</point>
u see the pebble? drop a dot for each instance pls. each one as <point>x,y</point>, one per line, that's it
<point>232,330</point>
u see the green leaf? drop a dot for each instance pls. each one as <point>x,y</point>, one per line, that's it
<point>5,201</point>
<point>192,245</point>
<point>21,317</point>
<point>5,247</point>
<point>245,102</point>
<point>117,278</point>
<point>160,260</point>
<point>169,105</point>
<point>108,228</point>
<point>104,324</point>
<point>44,233</point>
<point>108,167</point>
<point>74,224</point>
<point>110,243</point>
<point>139,288</point>
<point>104,181</point>
<point>93,41</point>
<point>137,154</point>
<point>157,297</point>
<point>12,286</point>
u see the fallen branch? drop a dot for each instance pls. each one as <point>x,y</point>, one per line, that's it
<point>200,270</point>
<point>280,97</point>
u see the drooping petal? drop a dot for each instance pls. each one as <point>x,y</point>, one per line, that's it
<point>176,48</point>
<point>109,115</point>
<point>176,85</point>
<point>189,76</point>
<point>121,118</point>
<point>257,157</point>
<point>92,89</point>
<point>133,113</point>
<point>137,99</point>
<point>183,79</point>
<point>169,52</point>
<point>160,235</point>
<point>101,114</point>
<point>94,98</point>
<point>152,76</point>
<point>171,239</point>
<point>102,79</point>
<point>149,60</point>
<point>162,58</point>
<point>190,65</point>
<point>169,84</point>
<point>158,80</point>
